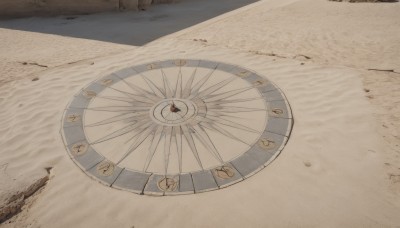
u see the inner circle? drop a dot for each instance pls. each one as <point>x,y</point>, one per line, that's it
<point>173,111</point>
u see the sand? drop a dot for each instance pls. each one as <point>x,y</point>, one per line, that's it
<point>340,167</point>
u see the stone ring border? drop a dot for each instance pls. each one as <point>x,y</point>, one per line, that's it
<point>265,150</point>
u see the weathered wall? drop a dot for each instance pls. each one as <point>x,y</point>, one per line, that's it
<point>23,8</point>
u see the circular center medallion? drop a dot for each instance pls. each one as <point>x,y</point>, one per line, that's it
<point>176,126</point>
<point>173,112</point>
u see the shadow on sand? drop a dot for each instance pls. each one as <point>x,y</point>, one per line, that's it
<point>131,28</point>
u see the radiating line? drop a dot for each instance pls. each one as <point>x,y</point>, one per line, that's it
<point>122,131</point>
<point>217,114</point>
<point>233,109</point>
<point>216,87</point>
<point>167,147</point>
<point>167,86</point>
<point>199,84</point>
<point>153,147</point>
<point>120,108</point>
<point>222,131</point>
<point>115,98</point>
<point>192,146</point>
<point>220,102</point>
<point>177,134</point>
<point>205,139</point>
<point>188,86</point>
<point>133,96</point>
<point>178,88</point>
<point>149,95</point>
<point>146,133</point>
<point>140,130</point>
<point>225,95</point>
<point>229,123</point>
<point>117,118</point>
<point>154,88</point>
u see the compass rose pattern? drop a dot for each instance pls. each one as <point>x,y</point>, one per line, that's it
<point>176,126</point>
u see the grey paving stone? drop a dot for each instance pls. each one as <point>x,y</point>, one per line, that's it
<point>73,134</point>
<point>259,155</point>
<point>279,126</point>
<point>241,72</point>
<point>266,154</point>
<point>132,181</point>
<point>253,77</point>
<point>169,63</point>
<point>108,80</point>
<point>275,142</point>
<point>186,184</point>
<point>107,180</point>
<point>125,73</point>
<point>226,67</point>
<point>247,165</point>
<point>152,186</point>
<point>203,181</point>
<point>267,88</point>
<point>88,160</point>
<point>278,109</point>
<point>192,63</point>
<point>80,101</point>
<point>226,175</point>
<point>273,95</point>
<point>208,64</point>
<point>141,68</point>
<point>95,87</point>
<point>73,117</point>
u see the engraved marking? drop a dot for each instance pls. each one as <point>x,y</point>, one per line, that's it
<point>224,172</point>
<point>89,93</point>
<point>259,83</point>
<point>152,66</point>
<point>180,62</point>
<point>167,184</point>
<point>266,144</point>
<point>243,74</point>
<point>73,118</point>
<point>79,148</point>
<point>105,168</point>
<point>277,111</point>
<point>107,82</point>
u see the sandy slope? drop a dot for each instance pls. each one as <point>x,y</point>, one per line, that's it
<point>31,45</point>
<point>24,54</point>
<point>355,35</point>
<point>332,172</point>
<point>360,36</point>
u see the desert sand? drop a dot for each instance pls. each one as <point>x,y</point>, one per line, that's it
<point>338,63</point>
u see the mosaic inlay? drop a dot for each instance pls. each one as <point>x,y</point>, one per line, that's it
<point>176,126</point>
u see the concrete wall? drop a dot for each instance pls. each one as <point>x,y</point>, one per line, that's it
<point>24,8</point>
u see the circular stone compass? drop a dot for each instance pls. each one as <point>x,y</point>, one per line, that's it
<point>176,126</point>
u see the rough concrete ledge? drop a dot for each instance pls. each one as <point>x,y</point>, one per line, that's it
<point>26,8</point>
<point>354,1</point>
<point>12,200</point>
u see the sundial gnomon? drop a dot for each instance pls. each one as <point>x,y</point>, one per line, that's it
<point>176,126</point>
